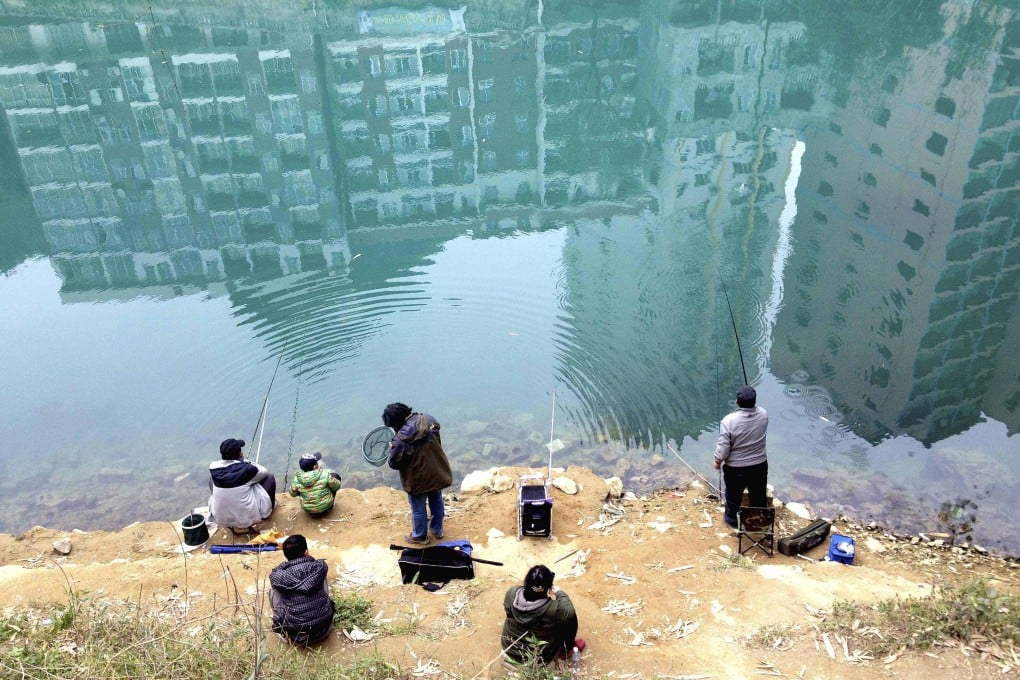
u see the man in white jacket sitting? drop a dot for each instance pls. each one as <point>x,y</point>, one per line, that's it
<point>243,493</point>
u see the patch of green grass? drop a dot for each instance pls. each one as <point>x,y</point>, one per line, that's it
<point>950,613</point>
<point>352,610</point>
<point>93,639</point>
<point>532,667</point>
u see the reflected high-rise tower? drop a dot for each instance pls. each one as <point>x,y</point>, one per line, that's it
<point>160,153</point>
<point>717,101</point>
<point>912,186</point>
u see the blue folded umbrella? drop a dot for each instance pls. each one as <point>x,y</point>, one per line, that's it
<point>228,549</point>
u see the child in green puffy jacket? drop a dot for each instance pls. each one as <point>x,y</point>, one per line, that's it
<point>315,486</point>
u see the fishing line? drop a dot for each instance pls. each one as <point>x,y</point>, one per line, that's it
<point>700,476</point>
<point>265,402</point>
<point>552,428</point>
<point>293,429</point>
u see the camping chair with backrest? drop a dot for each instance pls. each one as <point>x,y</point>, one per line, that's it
<point>757,528</point>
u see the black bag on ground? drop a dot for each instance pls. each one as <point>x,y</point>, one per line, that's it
<point>436,563</point>
<point>806,538</point>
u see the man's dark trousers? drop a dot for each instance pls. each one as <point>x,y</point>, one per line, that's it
<point>754,478</point>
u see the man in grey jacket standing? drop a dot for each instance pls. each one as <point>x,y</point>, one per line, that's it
<point>740,453</point>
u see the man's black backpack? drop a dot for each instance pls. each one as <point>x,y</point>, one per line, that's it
<point>806,538</point>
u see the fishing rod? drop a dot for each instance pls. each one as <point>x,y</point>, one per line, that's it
<point>736,335</point>
<point>262,413</point>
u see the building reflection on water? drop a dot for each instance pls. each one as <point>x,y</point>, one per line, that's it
<point>254,155</point>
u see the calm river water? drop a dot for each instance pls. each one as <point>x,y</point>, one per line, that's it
<point>479,208</point>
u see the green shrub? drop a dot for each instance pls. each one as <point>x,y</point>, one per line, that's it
<point>956,613</point>
<point>351,610</point>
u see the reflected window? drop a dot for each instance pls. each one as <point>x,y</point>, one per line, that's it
<point>458,59</point>
<point>279,73</point>
<point>433,60</point>
<point>521,123</point>
<point>523,158</point>
<point>375,65</point>
<point>401,65</point>
<point>406,102</point>
<point>203,118</point>
<point>436,100</point>
<point>76,127</point>
<point>151,122</point>
<point>91,165</point>
<point>520,85</point>
<point>485,88</point>
<point>194,80</point>
<point>212,156</point>
<point>937,144</point>
<point>287,118</point>
<point>138,83</point>
<point>487,125</point>
<point>299,188</point>
<point>159,160</point>
<point>293,153</point>
<point>227,78</point>
<point>378,105</point>
<point>488,162</point>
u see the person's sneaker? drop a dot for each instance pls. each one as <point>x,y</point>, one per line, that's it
<point>438,536</point>
<point>424,540</point>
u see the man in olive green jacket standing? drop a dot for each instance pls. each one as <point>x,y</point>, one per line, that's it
<point>416,451</point>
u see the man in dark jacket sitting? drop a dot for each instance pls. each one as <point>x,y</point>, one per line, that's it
<point>302,607</point>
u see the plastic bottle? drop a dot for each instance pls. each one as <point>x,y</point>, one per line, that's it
<point>575,659</point>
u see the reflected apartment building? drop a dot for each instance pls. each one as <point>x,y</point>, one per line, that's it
<point>721,140</point>
<point>434,128</point>
<point>913,184</point>
<point>166,154</point>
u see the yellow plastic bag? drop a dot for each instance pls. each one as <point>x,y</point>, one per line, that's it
<point>266,537</point>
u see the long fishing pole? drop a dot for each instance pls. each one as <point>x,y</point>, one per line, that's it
<point>258,449</point>
<point>265,402</point>
<point>736,335</point>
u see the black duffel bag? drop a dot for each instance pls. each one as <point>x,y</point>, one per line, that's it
<point>437,564</point>
<point>806,538</point>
